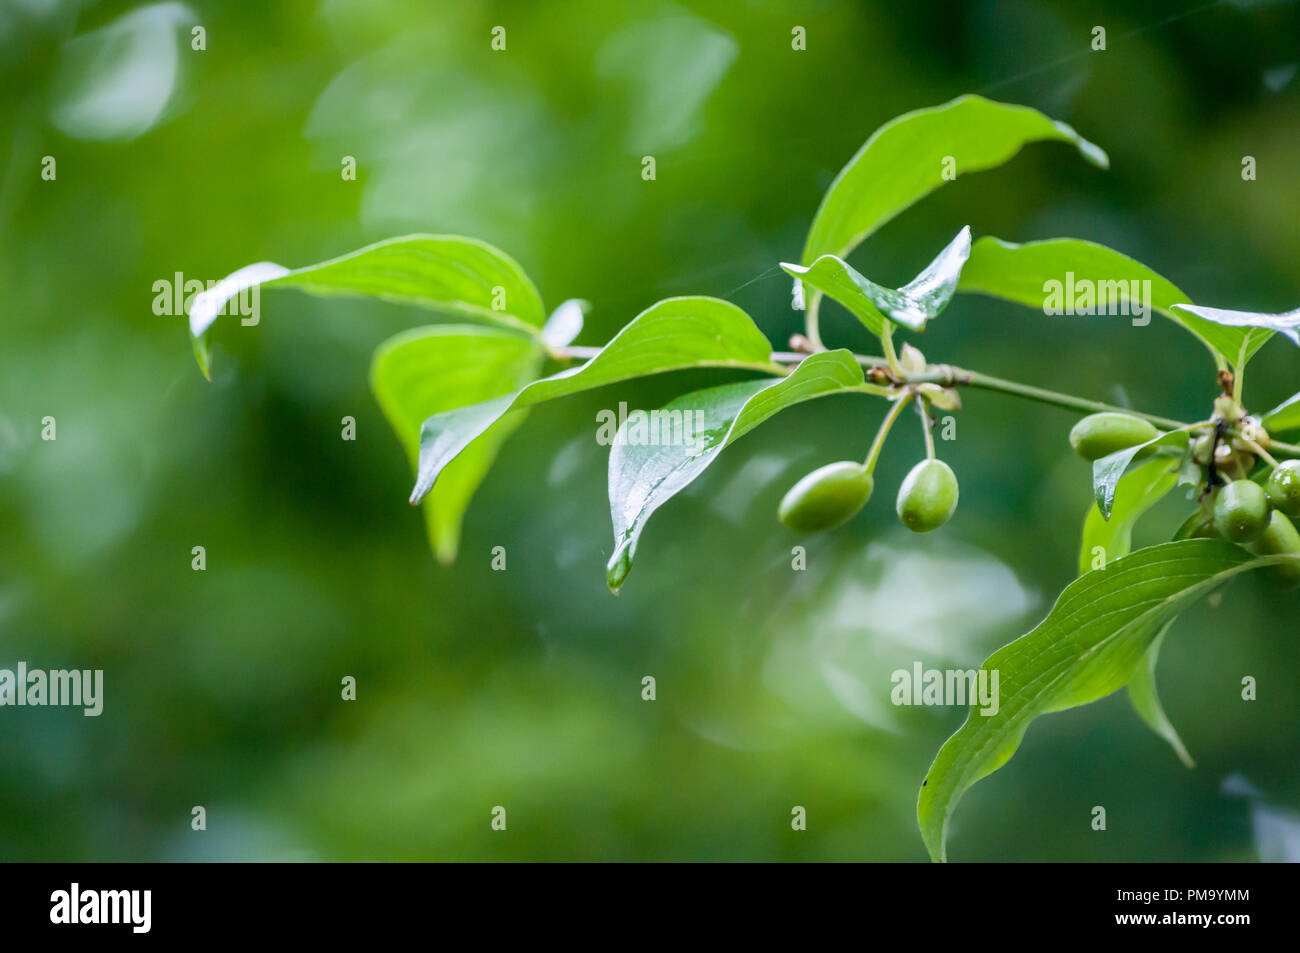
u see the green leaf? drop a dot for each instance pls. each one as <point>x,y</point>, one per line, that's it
<point>1136,493</point>
<point>448,273</point>
<point>672,334</point>
<point>427,370</point>
<point>642,477</point>
<point>1146,702</point>
<point>1023,273</point>
<point>1140,490</point>
<point>911,305</point>
<point>1089,645</point>
<point>1285,416</point>
<point>1256,328</point>
<point>1107,471</point>
<point>906,159</point>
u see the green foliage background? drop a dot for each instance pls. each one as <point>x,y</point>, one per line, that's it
<point>522,688</point>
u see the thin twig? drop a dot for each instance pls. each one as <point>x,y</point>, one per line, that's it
<point>949,376</point>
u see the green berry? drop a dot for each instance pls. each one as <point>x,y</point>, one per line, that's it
<point>1280,539</point>
<point>1241,511</point>
<point>1283,488</point>
<point>928,496</point>
<point>826,497</point>
<point>1100,435</point>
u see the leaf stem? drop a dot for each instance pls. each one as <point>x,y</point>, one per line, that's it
<point>1239,371</point>
<point>887,345</point>
<point>811,319</point>
<point>883,432</point>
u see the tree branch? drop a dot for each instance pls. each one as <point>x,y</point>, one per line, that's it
<point>947,375</point>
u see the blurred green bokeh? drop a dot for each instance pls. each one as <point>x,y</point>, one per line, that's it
<point>523,688</point>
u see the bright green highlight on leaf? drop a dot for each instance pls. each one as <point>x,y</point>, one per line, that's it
<point>426,370</point>
<point>644,477</point>
<point>673,334</point>
<point>1089,645</point>
<point>448,273</point>
<point>1025,273</point>
<point>911,305</point>
<point>912,155</point>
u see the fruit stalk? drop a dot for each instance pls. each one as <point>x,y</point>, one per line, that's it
<point>925,427</point>
<point>882,433</point>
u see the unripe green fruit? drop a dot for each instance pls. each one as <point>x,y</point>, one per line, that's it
<point>1100,435</point>
<point>1280,539</point>
<point>1284,488</point>
<point>826,497</point>
<point>1241,511</point>
<point>928,496</point>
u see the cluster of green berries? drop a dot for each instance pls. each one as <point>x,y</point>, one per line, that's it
<point>1261,517</point>
<point>1239,510</point>
<point>832,494</point>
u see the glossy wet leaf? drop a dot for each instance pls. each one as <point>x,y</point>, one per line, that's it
<point>427,370</point>
<point>447,273</point>
<point>1255,327</point>
<point>912,305</point>
<point>1285,416</point>
<point>1108,471</point>
<point>906,159</point>
<point>643,477</point>
<point>1142,488</point>
<point>673,334</point>
<point>1021,273</point>
<point>1091,643</point>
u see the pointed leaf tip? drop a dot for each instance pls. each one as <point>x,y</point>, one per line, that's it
<point>619,565</point>
<point>1090,151</point>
